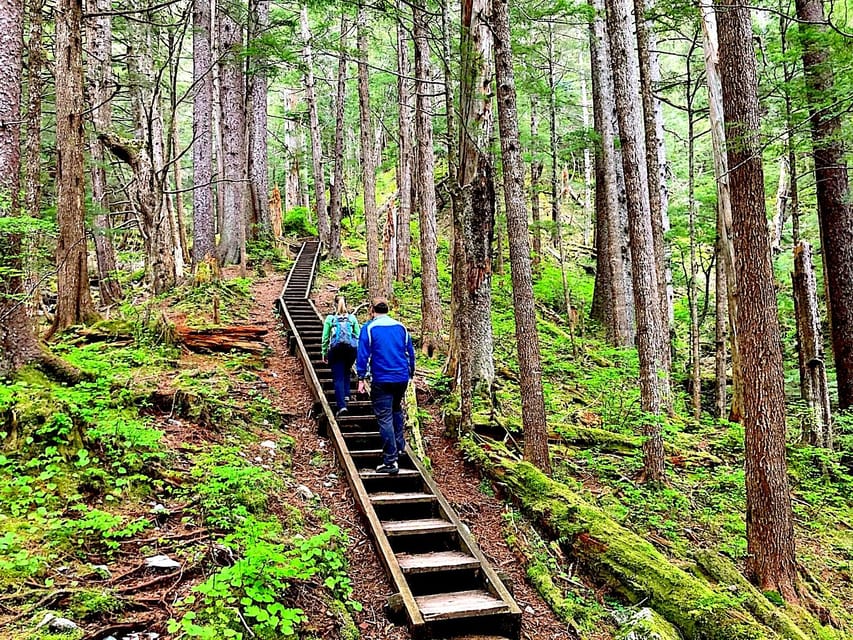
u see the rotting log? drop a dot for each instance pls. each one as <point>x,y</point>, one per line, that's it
<point>624,561</point>
<point>247,338</point>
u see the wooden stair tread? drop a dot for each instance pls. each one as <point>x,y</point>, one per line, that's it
<point>459,604</point>
<point>416,527</point>
<point>368,474</point>
<point>436,561</point>
<point>389,497</point>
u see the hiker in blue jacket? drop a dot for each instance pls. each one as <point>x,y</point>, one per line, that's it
<point>338,347</point>
<point>385,346</point>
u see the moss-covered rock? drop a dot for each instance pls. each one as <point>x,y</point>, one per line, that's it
<point>646,624</point>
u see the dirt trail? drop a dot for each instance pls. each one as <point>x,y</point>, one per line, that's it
<point>315,467</point>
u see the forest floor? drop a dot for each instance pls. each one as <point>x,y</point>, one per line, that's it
<point>213,461</point>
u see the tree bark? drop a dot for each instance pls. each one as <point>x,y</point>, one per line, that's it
<point>612,242</point>
<point>835,211</point>
<point>406,156</point>
<point>204,218</point>
<point>232,239</point>
<point>35,91</point>
<point>527,340</point>
<point>431,314</point>
<point>655,167</point>
<point>724,208</point>
<point>817,430</point>
<point>99,71</point>
<point>652,342</point>
<point>316,139</point>
<point>720,333</point>
<point>536,168</point>
<point>368,159</point>
<point>74,301</point>
<point>259,188</point>
<point>337,187</point>
<point>771,561</point>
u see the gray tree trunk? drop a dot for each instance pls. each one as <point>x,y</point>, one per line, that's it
<point>100,81</point>
<point>405,165</point>
<point>316,138</point>
<point>431,313</point>
<point>652,342</point>
<point>817,430</point>
<point>536,168</point>
<point>527,340</point>
<point>204,217</point>
<point>613,247</point>
<point>259,188</point>
<point>232,239</point>
<point>724,207</point>
<point>368,159</point>
<point>336,189</point>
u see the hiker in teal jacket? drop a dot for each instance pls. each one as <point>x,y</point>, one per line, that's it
<point>339,347</point>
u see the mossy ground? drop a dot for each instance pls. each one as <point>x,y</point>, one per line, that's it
<point>158,454</point>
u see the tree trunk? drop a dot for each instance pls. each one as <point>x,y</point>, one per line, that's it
<point>476,183</point>
<point>527,340</point>
<point>818,429</point>
<point>204,218</point>
<point>655,167</point>
<point>552,140</point>
<point>337,187</point>
<point>232,239</point>
<point>147,159</point>
<point>259,188</point>
<point>783,197</point>
<point>652,342</point>
<point>693,274</point>
<point>835,210</point>
<point>612,242</point>
<point>291,143</point>
<point>74,301</point>
<point>406,157</point>
<point>35,91</point>
<point>535,175</point>
<point>99,72</point>
<point>720,333</point>
<point>431,314</point>
<point>771,562</point>
<point>368,160</point>
<point>587,163</point>
<point>724,207</point>
<point>316,139</point>
<point>389,246</point>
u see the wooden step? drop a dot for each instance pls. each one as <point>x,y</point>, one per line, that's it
<point>370,474</point>
<point>459,604</point>
<point>423,526</point>
<point>390,498</point>
<point>436,561</point>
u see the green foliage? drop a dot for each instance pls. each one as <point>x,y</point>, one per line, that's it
<point>248,594</point>
<point>296,223</point>
<point>263,249</point>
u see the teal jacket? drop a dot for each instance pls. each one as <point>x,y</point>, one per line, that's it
<point>327,331</point>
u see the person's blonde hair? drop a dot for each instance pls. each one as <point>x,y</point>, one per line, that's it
<point>341,306</point>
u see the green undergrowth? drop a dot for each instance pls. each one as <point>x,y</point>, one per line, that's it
<point>96,477</point>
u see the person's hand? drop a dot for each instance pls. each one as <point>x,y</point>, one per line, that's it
<point>325,361</point>
<point>361,386</point>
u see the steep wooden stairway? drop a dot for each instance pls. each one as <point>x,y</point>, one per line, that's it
<point>445,586</point>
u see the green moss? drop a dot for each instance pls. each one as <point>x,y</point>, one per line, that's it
<point>647,624</point>
<point>627,563</point>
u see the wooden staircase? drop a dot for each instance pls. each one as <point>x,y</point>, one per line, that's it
<point>445,586</point>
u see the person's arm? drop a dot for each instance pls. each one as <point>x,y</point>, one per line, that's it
<point>361,358</point>
<point>356,329</point>
<point>327,334</point>
<point>410,350</point>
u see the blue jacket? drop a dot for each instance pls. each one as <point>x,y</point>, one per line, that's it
<point>386,346</point>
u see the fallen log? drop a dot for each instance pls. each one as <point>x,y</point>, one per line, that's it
<point>247,338</point>
<point>626,562</point>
